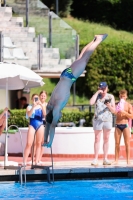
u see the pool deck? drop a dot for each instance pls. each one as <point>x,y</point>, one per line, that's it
<point>69,168</point>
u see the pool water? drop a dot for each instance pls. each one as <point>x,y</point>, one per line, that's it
<point>69,190</point>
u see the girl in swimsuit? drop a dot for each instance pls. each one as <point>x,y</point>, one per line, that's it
<point>36,112</point>
<point>61,93</point>
<point>123,114</point>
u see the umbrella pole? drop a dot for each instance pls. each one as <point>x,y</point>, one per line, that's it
<point>6,134</point>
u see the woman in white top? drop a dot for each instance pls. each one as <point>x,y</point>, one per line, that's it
<point>102,120</point>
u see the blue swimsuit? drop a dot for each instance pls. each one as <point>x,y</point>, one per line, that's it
<point>37,121</point>
<point>68,73</point>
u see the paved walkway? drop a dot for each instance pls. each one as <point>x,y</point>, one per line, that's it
<point>70,161</point>
<point>80,164</point>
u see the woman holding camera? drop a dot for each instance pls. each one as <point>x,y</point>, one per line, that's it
<point>35,112</point>
<point>102,120</point>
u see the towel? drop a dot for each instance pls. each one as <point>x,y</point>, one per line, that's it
<point>120,105</point>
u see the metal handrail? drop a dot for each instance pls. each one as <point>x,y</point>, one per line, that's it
<point>42,167</point>
<point>12,167</point>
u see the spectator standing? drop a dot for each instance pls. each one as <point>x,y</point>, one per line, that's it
<point>42,97</point>
<point>123,113</point>
<point>102,120</point>
<point>23,102</point>
<point>36,113</point>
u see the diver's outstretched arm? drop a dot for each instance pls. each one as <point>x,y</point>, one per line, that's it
<point>51,130</point>
<point>46,132</point>
<point>51,135</point>
<point>49,118</point>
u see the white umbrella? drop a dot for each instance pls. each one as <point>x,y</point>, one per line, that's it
<point>15,77</point>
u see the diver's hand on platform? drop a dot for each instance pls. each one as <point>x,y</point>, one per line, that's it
<point>47,144</point>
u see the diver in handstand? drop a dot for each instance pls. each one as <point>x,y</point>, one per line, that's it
<point>61,93</point>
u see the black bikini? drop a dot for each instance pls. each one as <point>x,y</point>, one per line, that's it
<point>121,126</point>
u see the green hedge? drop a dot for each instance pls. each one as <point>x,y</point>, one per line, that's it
<point>75,116</point>
<point>18,118</point>
<point>112,63</point>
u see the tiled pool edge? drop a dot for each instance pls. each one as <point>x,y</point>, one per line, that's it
<point>70,173</point>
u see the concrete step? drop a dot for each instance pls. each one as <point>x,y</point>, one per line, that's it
<point>18,21</point>
<point>4,24</point>
<point>15,30</point>
<point>22,39</point>
<point>50,61</point>
<point>67,62</point>
<point>55,68</point>
<point>9,29</point>
<point>6,9</point>
<point>27,44</point>
<point>48,50</point>
<point>5,13</point>
<point>20,62</point>
<point>21,34</point>
<point>13,34</point>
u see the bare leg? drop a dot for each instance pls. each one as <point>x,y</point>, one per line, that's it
<point>3,125</point>
<point>30,138</point>
<point>106,134</point>
<point>39,137</point>
<point>50,131</point>
<point>79,65</point>
<point>97,142</point>
<point>42,148</point>
<point>118,135</point>
<point>41,154</point>
<point>101,37</point>
<point>33,150</point>
<point>84,49</point>
<point>126,134</point>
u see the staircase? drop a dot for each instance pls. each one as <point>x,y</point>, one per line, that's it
<point>25,38</point>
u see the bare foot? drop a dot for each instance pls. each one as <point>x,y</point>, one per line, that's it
<point>44,144</point>
<point>115,162</point>
<point>100,37</point>
<point>129,163</point>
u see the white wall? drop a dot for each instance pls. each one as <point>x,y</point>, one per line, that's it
<point>2,99</point>
<point>74,140</point>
